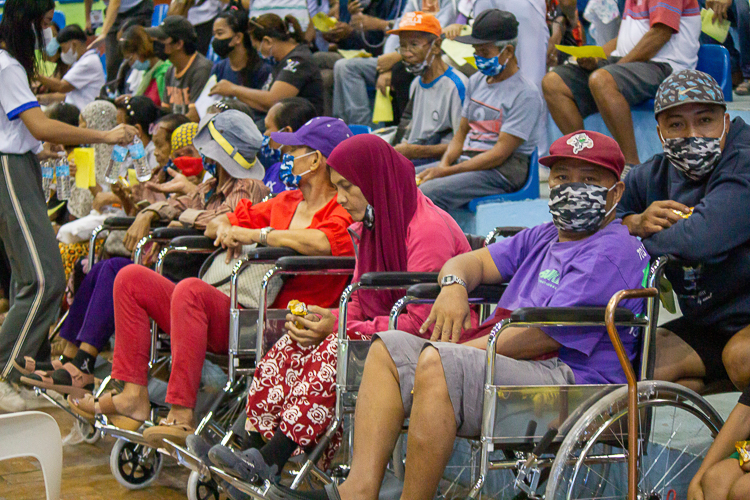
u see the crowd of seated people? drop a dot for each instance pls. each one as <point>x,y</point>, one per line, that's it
<point>229,101</point>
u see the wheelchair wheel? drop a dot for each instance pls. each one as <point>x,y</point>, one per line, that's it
<point>134,466</point>
<point>201,489</point>
<point>676,428</point>
<point>90,433</point>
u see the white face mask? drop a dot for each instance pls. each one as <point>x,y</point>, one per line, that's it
<point>48,36</point>
<point>69,57</point>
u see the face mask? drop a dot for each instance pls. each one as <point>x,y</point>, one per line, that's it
<point>221,47</point>
<point>52,47</point>
<point>286,171</point>
<point>696,157</point>
<point>267,151</point>
<point>577,207</point>
<point>369,219</point>
<point>141,65</point>
<point>188,165</point>
<point>159,50</point>
<point>490,66</point>
<point>266,59</point>
<point>48,36</point>
<point>420,68</point>
<point>69,57</point>
<point>209,166</point>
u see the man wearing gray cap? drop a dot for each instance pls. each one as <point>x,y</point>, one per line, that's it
<point>692,202</point>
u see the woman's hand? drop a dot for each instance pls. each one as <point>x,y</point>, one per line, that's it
<point>121,134</point>
<point>234,238</point>
<point>73,168</point>
<point>315,327</point>
<point>450,314</point>
<point>138,230</point>
<point>224,88</point>
<point>103,199</point>
<point>179,184</point>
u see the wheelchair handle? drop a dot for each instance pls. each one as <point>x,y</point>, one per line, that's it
<point>547,439</point>
<point>627,367</point>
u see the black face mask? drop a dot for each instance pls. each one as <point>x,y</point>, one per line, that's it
<point>221,47</point>
<point>159,50</point>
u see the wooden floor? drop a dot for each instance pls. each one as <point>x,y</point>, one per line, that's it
<point>86,474</point>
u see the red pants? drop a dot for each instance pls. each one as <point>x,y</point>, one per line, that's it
<point>193,313</point>
<point>294,390</point>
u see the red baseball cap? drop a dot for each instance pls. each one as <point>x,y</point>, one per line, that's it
<point>418,21</point>
<point>591,147</point>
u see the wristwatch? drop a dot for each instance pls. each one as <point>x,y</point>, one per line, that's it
<point>451,279</point>
<point>264,235</point>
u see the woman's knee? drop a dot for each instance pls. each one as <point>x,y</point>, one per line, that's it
<point>132,278</point>
<point>189,293</point>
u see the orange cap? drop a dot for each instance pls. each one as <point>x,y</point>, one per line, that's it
<point>418,21</point>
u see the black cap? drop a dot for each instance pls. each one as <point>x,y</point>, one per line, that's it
<point>176,28</point>
<point>492,25</point>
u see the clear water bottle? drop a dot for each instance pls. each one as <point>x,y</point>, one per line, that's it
<point>63,179</point>
<point>48,174</point>
<point>112,173</point>
<point>138,155</point>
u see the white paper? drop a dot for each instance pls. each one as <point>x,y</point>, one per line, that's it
<point>205,101</point>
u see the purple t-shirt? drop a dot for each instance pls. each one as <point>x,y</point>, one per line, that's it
<point>544,272</point>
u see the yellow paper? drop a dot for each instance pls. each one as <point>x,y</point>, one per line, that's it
<point>85,167</point>
<point>323,22</point>
<point>585,51</point>
<point>459,52</point>
<point>132,179</point>
<point>471,61</point>
<point>351,54</point>
<point>717,31</point>
<point>383,111</point>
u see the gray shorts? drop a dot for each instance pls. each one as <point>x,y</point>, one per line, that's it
<point>464,369</point>
<point>636,81</point>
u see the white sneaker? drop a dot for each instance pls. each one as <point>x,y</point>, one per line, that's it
<point>10,400</point>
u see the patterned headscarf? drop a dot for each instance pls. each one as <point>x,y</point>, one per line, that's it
<point>184,135</point>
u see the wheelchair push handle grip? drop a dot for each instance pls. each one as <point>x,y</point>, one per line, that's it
<point>547,439</point>
<point>397,279</point>
<point>198,242</point>
<point>168,233</point>
<point>114,222</point>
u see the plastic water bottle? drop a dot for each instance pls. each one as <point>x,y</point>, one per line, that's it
<point>48,174</point>
<point>63,179</point>
<point>112,173</point>
<point>138,155</point>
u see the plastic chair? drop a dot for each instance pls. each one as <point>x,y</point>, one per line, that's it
<point>714,60</point>
<point>360,129</point>
<point>529,191</point>
<point>34,434</point>
<point>59,19</point>
<point>160,12</point>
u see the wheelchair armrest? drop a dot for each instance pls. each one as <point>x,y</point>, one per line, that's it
<point>197,242</point>
<point>508,231</point>
<point>306,263</point>
<point>568,314</point>
<point>484,293</point>
<point>270,253</point>
<point>118,222</point>
<point>168,233</point>
<point>397,279</point>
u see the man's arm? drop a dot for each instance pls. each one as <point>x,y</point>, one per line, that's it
<point>109,21</point>
<point>261,100</point>
<point>87,12</point>
<point>456,146</point>
<point>651,43</point>
<point>416,151</point>
<point>494,157</point>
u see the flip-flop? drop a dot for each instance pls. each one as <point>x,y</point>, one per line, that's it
<point>176,433</point>
<point>743,88</point>
<point>86,408</point>
<point>27,365</point>
<point>67,380</point>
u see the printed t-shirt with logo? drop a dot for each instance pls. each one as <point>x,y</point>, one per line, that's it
<point>514,106</point>
<point>544,272</point>
<point>185,88</point>
<point>300,71</point>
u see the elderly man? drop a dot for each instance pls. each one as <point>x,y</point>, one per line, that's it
<point>581,258</point>
<point>692,202</point>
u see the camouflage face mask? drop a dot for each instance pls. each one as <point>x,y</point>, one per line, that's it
<point>695,156</point>
<point>577,207</point>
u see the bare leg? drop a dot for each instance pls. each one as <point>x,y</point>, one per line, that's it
<point>432,429</point>
<point>181,415</point>
<point>132,402</point>
<point>70,349</point>
<point>718,480</point>
<point>615,112</point>
<point>89,349</point>
<point>740,489</point>
<point>677,362</point>
<point>736,358</point>
<point>561,104</point>
<point>377,424</point>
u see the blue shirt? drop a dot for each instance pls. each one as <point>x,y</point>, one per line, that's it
<point>256,77</point>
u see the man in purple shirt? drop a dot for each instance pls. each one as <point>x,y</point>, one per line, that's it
<point>582,258</point>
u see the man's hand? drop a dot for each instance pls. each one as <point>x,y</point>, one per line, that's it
<point>340,31</point>
<point>660,215</point>
<point>434,173</point>
<point>121,134</point>
<point>450,314</point>
<point>588,63</point>
<point>138,229</point>
<point>452,31</point>
<point>179,184</point>
<point>387,61</point>
<point>720,8</point>
<point>383,83</point>
<point>224,88</point>
<point>316,326</point>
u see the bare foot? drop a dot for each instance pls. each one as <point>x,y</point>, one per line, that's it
<point>181,415</point>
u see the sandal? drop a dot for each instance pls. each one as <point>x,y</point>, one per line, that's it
<point>743,88</point>
<point>28,365</point>
<point>176,433</point>
<point>86,408</point>
<point>66,380</point>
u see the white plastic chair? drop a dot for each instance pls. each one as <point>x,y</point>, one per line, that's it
<point>34,434</point>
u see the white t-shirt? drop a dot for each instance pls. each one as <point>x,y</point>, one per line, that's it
<point>282,8</point>
<point>437,106</point>
<point>683,16</point>
<point>205,12</point>
<point>15,98</point>
<point>87,76</point>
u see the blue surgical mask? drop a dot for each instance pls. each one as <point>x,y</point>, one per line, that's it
<point>268,152</point>
<point>490,66</point>
<point>142,65</point>
<point>286,171</point>
<point>209,166</point>
<point>267,59</point>
<point>52,47</point>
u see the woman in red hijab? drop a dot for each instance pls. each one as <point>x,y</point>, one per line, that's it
<point>396,228</point>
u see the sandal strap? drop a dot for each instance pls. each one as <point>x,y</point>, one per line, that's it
<point>106,405</point>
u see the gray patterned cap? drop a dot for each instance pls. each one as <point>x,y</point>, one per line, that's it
<point>686,86</point>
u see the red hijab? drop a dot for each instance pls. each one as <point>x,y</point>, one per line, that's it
<point>387,180</point>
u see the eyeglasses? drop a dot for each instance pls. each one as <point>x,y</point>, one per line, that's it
<point>412,47</point>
